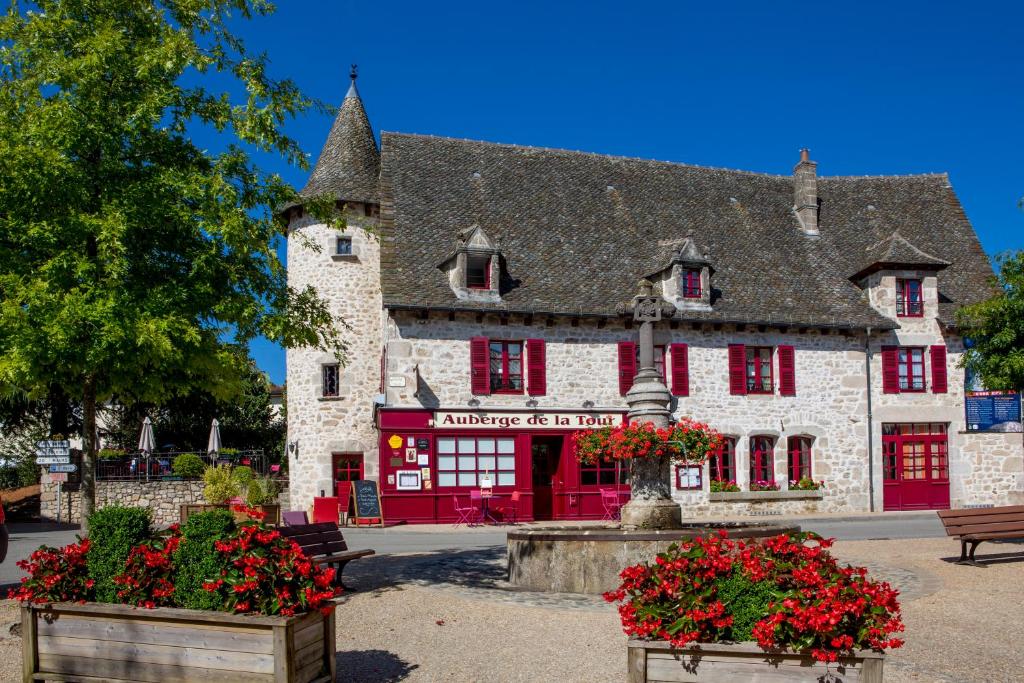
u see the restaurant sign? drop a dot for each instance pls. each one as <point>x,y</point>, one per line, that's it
<point>532,420</point>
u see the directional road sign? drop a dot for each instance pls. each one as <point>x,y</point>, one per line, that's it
<point>57,477</point>
<point>53,460</point>
<point>63,468</point>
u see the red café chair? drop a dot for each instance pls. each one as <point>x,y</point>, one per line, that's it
<point>510,514</point>
<point>465,515</point>
<point>476,499</point>
<point>611,504</point>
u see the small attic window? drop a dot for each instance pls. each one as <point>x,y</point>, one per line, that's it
<point>343,247</point>
<point>478,272</point>
<point>691,284</point>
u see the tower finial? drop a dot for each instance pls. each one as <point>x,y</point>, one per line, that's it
<point>354,72</point>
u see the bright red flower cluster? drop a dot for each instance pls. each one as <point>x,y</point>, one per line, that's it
<point>820,608</point>
<point>269,574</point>
<point>685,441</point>
<point>55,575</point>
<point>148,578</point>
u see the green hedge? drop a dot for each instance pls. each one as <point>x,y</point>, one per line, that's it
<point>188,465</point>
<point>113,532</point>
<point>197,561</point>
<point>747,602</point>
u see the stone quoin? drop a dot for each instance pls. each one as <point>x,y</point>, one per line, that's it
<point>488,291</point>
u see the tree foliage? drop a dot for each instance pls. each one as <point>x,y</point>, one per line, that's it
<point>133,262</point>
<point>995,329</point>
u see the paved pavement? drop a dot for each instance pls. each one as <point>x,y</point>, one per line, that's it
<point>440,538</point>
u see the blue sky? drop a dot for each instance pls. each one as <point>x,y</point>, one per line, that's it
<point>870,88</point>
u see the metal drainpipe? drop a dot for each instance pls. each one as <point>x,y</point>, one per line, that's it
<point>871,431</point>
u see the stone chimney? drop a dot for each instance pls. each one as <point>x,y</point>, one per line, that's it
<point>805,193</point>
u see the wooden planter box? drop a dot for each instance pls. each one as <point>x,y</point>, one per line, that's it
<point>730,663</point>
<point>99,642</point>
<point>272,511</point>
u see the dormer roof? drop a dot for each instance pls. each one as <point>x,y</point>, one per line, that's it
<point>895,252</point>
<point>349,163</point>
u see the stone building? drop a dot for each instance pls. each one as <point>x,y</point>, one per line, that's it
<point>486,286</point>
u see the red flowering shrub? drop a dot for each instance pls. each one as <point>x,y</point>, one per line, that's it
<point>816,605</point>
<point>55,575</point>
<point>148,579</point>
<point>685,441</point>
<point>269,574</point>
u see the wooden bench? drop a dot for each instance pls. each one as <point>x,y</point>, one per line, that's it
<point>982,524</point>
<point>324,544</point>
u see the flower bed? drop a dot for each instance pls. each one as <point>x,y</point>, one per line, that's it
<point>785,593</point>
<point>245,569</point>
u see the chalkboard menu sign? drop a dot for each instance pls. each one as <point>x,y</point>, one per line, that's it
<point>366,502</point>
<point>993,411</point>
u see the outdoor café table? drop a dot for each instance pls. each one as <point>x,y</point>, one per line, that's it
<point>486,495</point>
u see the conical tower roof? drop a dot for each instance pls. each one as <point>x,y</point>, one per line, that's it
<point>349,163</point>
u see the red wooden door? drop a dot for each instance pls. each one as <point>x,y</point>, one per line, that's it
<point>915,466</point>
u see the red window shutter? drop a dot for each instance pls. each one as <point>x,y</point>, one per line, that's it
<point>536,370</point>
<point>890,370</point>
<point>480,365</point>
<point>939,378</point>
<point>680,369</point>
<point>787,371</point>
<point>737,369</point>
<point>627,366</point>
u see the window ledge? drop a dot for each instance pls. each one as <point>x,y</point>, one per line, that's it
<point>344,257</point>
<point>330,398</point>
<point>725,496</point>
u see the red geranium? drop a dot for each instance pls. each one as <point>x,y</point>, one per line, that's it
<point>685,441</point>
<point>55,575</point>
<point>817,606</point>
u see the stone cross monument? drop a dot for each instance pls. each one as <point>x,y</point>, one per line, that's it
<point>651,505</point>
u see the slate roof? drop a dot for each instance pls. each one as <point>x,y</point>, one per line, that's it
<point>578,230</point>
<point>896,252</point>
<point>349,163</point>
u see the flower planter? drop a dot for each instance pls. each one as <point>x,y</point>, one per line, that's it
<point>272,511</point>
<point>101,642</point>
<point>734,662</point>
<point>764,496</point>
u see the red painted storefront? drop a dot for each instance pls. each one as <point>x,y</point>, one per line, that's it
<point>531,453</point>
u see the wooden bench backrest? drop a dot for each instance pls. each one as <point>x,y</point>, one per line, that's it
<point>1005,519</point>
<point>316,539</point>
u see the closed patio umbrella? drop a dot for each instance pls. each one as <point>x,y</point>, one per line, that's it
<point>213,446</point>
<point>147,442</point>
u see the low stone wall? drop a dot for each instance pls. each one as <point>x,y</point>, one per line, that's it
<point>164,498</point>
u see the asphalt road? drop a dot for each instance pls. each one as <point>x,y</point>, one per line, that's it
<point>434,538</point>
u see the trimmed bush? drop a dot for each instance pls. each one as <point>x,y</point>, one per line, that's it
<point>188,465</point>
<point>262,491</point>
<point>113,532</point>
<point>747,602</point>
<point>243,476</point>
<point>197,560</point>
<point>220,485</point>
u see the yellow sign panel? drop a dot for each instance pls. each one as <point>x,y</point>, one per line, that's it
<point>395,441</point>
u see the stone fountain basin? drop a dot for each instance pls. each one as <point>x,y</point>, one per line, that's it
<point>588,559</point>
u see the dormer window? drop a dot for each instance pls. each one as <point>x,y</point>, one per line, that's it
<point>478,272</point>
<point>909,298</point>
<point>691,284</point>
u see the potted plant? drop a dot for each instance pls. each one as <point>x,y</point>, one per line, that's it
<point>225,485</point>
<point>712,608</point>
<point>104,609</point>
<point>723,486</point>
<point>805,484</point>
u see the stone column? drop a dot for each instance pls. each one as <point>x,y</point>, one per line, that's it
<point>651,505</point>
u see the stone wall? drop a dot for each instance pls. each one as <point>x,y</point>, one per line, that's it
<point>319,426</point>
<point>990,469</point>
<point>164,498</point>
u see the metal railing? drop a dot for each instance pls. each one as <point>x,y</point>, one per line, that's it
<point>140,467</point>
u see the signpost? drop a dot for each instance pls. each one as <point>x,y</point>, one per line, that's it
<point>56,454</point>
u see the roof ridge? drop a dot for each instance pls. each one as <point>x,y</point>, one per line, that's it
<point>681,164</point>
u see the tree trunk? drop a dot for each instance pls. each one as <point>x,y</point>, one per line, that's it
<point>88,489</point>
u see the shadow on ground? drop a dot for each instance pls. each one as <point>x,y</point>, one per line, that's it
<point>372,665</point>
<point>481,568</point>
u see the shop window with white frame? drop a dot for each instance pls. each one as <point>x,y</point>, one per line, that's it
<point>464,461</point>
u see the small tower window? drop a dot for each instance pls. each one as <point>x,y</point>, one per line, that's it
<point>478,272</point>
<point>343,246</point>
<point>329,377</point>
<point>691,284</point>
<point>909,299</point>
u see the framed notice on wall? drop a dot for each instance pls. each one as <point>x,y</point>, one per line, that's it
<point>409,480</point>
<point>688,477</point>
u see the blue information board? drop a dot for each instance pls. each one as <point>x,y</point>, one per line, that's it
<point>993,411</point>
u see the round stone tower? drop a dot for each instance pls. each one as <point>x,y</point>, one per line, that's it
<point>330,403</point>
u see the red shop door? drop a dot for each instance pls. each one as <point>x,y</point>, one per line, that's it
<point>915,466</point>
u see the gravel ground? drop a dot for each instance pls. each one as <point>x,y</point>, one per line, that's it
<point>403,625</point>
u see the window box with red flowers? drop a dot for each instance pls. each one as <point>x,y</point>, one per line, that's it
<point>765,496</point>
<point>274,619</point>
<point>780,608</point>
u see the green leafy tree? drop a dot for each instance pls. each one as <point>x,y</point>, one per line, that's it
<point>133,262</point>
<point>995,329</point>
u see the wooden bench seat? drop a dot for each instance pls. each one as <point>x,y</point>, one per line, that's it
<point>975,526</point>
<point>324,544</point>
